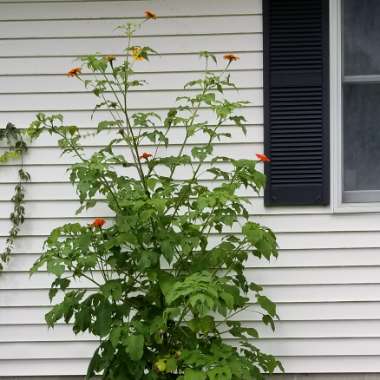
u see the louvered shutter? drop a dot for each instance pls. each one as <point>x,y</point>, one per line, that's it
<point>296,101</point>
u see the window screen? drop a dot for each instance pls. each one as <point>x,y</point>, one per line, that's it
<point>361,100</point>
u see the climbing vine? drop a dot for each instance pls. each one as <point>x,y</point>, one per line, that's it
<point>16,147</point>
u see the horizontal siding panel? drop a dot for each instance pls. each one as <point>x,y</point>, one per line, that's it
<point>24,297</point>
<point>162,44</point>
<point>37,156</point>
<point>309,258</point>
<point>72,367</point>
<point>304,276</point>
<point>284,330</point>
<point>157,64</point>
<point>137,100</point>
<point>41,333</point>
<point>321,347</point>
<point>126,9</point>
<point>282,223</point>
<point>48,350</point>
<point>283,347</point>
<point>320,329</point>
<point>66,192</point>
<point>58,173</point>
<point>321,311</point>
<point>63,181</point>
<point>324,257</point>
<point>329,240</point>
<point>101,28</point>
<point>324,292</point>
<point>32,243</point>
<point>47,367</point>
<point>41,210</point>
<point>253,115</point>
<point>332,364</point>
<point>27,296</point>
<point>155,82</point>
<point>175,135</point>
<point>40,280</point>
<point>278,277</point>
<point>66,209</point>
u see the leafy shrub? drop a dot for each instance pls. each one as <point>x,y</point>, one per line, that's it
<point>160,283</point>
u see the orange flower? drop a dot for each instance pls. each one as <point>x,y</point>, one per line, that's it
<point>110,58</point>
<point>231,57</point>
<point>74,72</point>
<point>262,157</point>
<point>136,51</point>
<point>145,155</point>
<point>149,15</point>
<point>98,223</point>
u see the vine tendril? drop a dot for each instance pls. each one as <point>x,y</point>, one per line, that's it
<point>16,148</point>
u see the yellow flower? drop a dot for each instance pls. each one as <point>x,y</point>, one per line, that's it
<point>110,58</point>
<point>136,54</point>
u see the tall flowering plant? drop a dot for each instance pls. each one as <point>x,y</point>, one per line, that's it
<point>165,274</point>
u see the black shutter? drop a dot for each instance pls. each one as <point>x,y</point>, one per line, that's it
<point>296,101</point>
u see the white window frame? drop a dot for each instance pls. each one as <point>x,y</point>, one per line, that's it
<point>336,120</point>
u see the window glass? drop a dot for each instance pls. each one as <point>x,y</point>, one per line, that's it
<point>361,37</point>
<point>361,99</point>
<point>361,138</point>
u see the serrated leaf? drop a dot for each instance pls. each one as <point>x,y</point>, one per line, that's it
<point>115,335</point>
<point>135,346</point>
<point>103,320</point>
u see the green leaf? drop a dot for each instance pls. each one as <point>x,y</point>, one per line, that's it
<point>112,289</point>
<point>192,374</point>
<point>54,315</point>
<point>135,346</point>
<point>166,282</point>
<point>220,373</point>
<point>253,232</point>
<point>255,288</point>
<point>267,305</point>
<point>55,268</point>
<point>171,364</point>
<point>103,320</point>
<point>268,320</point>
<point>251,332</point>
<point>115,335</point>
<point>94,363</point>
<point>205,324</point>
<point>168,250</point>
<point>206,54</point>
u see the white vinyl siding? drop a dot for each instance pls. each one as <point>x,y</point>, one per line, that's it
<point>327,279</point>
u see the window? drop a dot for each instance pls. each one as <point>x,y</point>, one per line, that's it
<point>360,99</point>
<point>322,80</point>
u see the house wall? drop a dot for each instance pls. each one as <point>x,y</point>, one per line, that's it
<point>327,279</point>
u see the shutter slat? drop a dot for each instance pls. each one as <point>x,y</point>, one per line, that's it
<point>296,111</point>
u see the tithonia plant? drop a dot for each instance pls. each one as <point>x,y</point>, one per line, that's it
<point>162,280</point>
